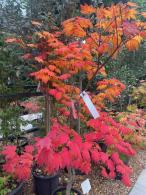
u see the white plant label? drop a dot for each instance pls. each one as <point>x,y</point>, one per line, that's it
<point>86,186</point>
<point>90,105</point>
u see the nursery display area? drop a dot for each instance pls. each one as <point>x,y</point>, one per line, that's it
<point>72,97</point>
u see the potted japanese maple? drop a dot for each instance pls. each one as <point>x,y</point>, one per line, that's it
<point>45,175</point>
<point>61,148</point>
<point>17,168</point>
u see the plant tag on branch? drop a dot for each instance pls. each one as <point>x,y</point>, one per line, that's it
<point>86,186</point>
<point>89,105</point>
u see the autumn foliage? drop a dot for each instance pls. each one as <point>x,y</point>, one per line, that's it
<point>19,166</point>
<point>134,119</point>
<point>65,148</point>
<point>70,60</point>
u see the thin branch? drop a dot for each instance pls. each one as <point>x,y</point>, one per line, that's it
<point>107,60</point>
<point>101,66</point>
<point>48,112</point>
<point>70,182</point>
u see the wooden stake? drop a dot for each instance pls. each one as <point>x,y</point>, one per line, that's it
<point>79,107</point>
<point>48,112</point>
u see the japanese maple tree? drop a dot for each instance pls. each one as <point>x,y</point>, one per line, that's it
<point>67,63</point>
<point>92,42</point>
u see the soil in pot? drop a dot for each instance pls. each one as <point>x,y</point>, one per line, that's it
<point>44,185</point>
<point>62,191</point>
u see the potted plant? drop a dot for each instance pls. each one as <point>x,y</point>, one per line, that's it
<point>56,151</point>
<point>63,148</point>
<point>16,169</point>
<point>10,126</point>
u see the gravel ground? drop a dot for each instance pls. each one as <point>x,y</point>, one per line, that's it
<point>101,186</point>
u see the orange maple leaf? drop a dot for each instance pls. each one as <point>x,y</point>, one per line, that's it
<point>134,43</point>
<point>36,23</point>
<point>131,4</point>
<point>76,26</point>
<point>87,9</point>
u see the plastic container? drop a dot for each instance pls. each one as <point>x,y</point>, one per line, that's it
<point>44,185</point>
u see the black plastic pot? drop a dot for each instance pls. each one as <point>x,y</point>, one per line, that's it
<point>44,185</point>
<point>63,190</point>
<point>18,190</point>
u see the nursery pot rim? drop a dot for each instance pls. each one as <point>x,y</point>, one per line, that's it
<point>44,176</point>
<point>64,188</point>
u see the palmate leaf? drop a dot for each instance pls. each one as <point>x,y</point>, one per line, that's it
<point>19,166</point>
<point>86,9</point>
<point>76,26</point>
<point>134,43</point>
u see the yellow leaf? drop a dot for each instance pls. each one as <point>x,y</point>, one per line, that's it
<point>132,44</point>
<point>138,38</point>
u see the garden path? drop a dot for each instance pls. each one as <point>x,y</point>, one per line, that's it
<point>140,185</point>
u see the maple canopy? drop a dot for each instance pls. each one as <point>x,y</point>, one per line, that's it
<point>84,47</point>
<point>92,41</point>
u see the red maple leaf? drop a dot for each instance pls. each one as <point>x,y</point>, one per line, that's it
<point>64,76</point>
<point>9,152</point>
